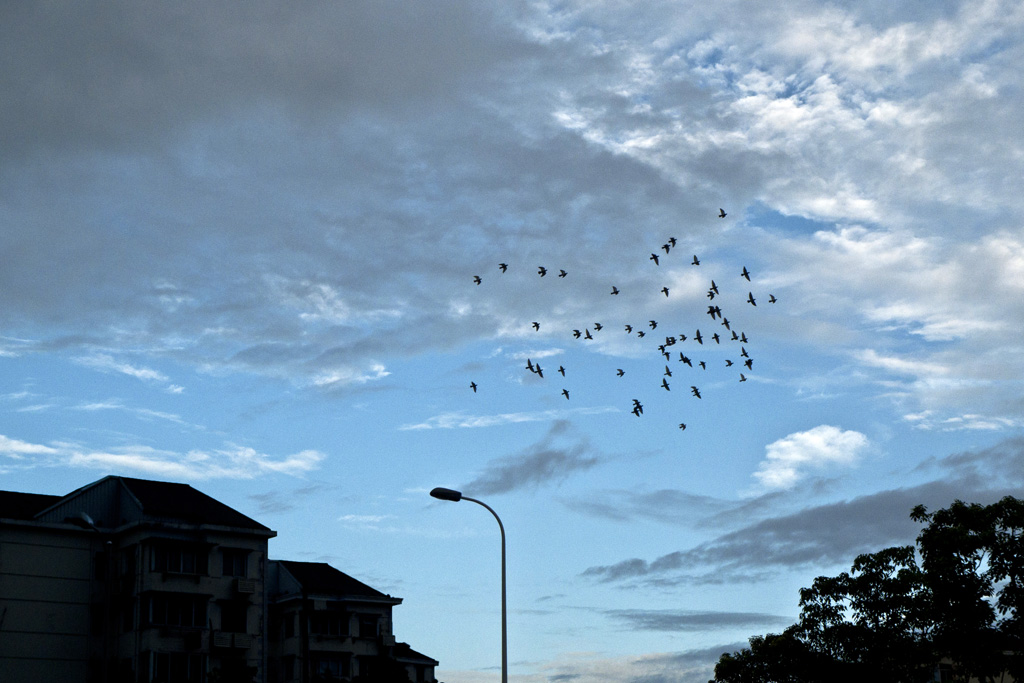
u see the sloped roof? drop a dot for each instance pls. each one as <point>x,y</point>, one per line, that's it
<point>322,579</point>
<point>182,502</point>
<point>17,505</point>
<point>405,653</point>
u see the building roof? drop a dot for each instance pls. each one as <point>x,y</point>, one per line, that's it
<point>182,502</point>
<point>323,579</point>
<point>405,653</point>
<point>17,505</point>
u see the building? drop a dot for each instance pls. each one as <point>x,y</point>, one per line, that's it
<point>140,581</point>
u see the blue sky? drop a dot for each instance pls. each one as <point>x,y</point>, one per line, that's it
<point>238,250</point>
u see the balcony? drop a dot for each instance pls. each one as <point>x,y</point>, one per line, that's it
<point>226,640</point>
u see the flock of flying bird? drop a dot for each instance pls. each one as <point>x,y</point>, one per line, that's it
<point>665,345</point>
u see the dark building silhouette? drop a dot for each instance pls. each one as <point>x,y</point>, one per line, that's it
<point>140,581</point>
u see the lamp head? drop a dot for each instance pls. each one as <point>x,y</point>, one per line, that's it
<point>446,494</point>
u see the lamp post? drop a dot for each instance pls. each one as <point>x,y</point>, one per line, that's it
<point>456,496</point>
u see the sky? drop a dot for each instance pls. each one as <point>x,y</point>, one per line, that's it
<point>238,249</point>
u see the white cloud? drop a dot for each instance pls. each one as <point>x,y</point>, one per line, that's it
<point>462,420</point>
<point>792,457</point>
<point>15,448</point>
<point>102,361</point>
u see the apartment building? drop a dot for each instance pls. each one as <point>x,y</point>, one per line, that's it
<point>138,581</point>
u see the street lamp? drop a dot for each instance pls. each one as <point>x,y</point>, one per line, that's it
<point>456,496</point>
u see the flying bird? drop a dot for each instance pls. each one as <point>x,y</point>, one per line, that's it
<point>746,273</point>
<point>629,328</point>
<point>654,257</point>
<point>684,359</point>
<point>664,385</point>
<point>576,334</point>
<point>711,295</point>
<point>743,352</point>
<point>695,391</point>
<point>640,333</point>
<point>700,340</point>
<point>682,425</point>
<point>695,261</point>
<point>735,337</point>
<point>476,279</point>
<point>620,372</point>
<point>728,363</point>
<point>668,373</point>
<point>664,290</point>
<point>750,299</point>
<point>586,334</point>
<point>529,365</point>
<point>615,290</point>
<point>598,327</point>
<point>539,371</point>
<point>713,311</point>
<point>562,273</point>
<point>536,326</point>
<point>638,410</point>
<point>715,337</point>
<point>749,363</point>
<point>565,392</point>
<point>561,370</point>
<point>772,299</point>
<point>725,324</point>
<point>714,287</point>
<point>743,337</point>
<point>722,213</point>
<point>672,241</point>
<point>652,323</point>
<point>542,271</point>
<point>702,365</point>
<point>743,378</point>
<point>503,266</point>
<point>666,247</point>
<point>472,385</point>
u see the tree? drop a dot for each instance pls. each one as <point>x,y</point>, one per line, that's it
<point>891,619</point>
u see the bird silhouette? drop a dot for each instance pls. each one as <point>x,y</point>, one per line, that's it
<point>562,273</point>
<point>749,363</point>
<point>664,290</point>
<point>772,299</point>
<point>615,290</point>
<point>702,365</point>
<point>640,333</point>
<point>638,408</point>
<point>682,425</point>
<point>539,371</point>
<point>695,261</point>
<point>565,392</point>
<point>652,323</point>
<point>529,365</point>
<point>598,327</point>
<point>711,295</point>
<point>728,363</point>
<point>715,337</point>
<point>561,370</point>
<point>664,385</point>
<point>503,266</point>
<point>668,372</point>
<point>576,334</point>
<point>672,241</point>
<point>722,213</point>
<point>587,334</point>
<point>743,352</point>
<point>542,271</point>
<point>666,247</point>
<point>746,273</point>
<point>472,385</point>
<point>743,378</point>
<point>684,359</point>
<point>695,391</point>
<point>750,299</point>
<point>725,324</point>
<point>476,279</point>
<point>714,287</point>
<point>620,372</point>
<point>700,340</point>
<point>735,337</point>
<point>654,257</point>
<point>713,311</point>
<point>629,328</point>
<point>743,337</point>
<point>536,326</point>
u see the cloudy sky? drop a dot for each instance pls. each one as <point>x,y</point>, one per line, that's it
<point>238,247</point>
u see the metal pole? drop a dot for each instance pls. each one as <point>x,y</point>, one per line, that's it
<point>504,612</point>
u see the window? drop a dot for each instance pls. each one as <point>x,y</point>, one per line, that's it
<point>233,616</point>
<point>179,559</point>
<point>331,666</point>
<point>329,623</point>
<point>368,625</point>
<point>235,562</point>
<point>179,667</point>
<point>177,609</point>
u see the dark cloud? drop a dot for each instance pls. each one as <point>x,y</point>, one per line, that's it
<point>558,455</point>
<point>820,536</point>
<point>674,620</point>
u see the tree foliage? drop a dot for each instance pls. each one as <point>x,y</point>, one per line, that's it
<point>955,597</point>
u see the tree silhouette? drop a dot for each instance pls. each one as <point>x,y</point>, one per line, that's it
<point>891,619</point>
